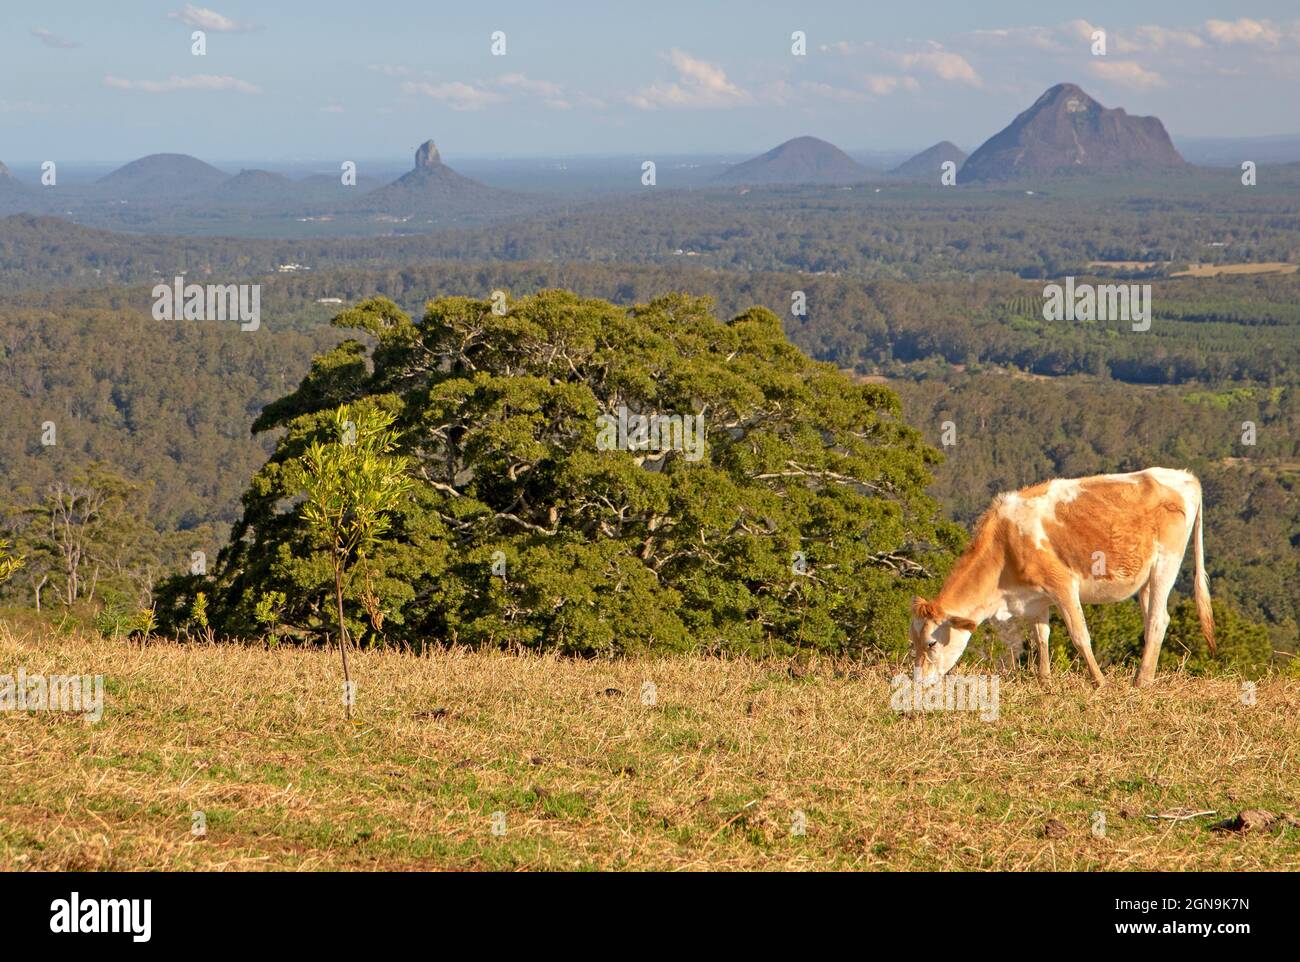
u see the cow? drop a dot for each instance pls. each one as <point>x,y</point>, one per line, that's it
<point>1069,542</point>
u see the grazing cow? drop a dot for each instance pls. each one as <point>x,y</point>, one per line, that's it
<point>1068,543</point>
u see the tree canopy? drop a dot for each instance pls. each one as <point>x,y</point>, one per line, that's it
<point>803,521</point>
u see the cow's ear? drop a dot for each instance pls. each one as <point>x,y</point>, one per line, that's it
<point>925,610</point>
<point>965,624</point>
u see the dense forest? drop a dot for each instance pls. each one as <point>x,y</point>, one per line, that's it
<point>1231,327</point>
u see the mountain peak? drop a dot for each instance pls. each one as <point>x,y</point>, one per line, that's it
<point>928,164</point>
<point>433,188</point>
<point>1064,90</point>
<point>803,160</point>
<point>1066,129</point>
<point>161,176</point>
<point>427,155</point>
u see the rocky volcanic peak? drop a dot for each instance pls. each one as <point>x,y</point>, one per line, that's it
<point>1065,130</point>
<point>427,155</point>
<point>4,171</point>
<point>430,175</point>
<point>432,188</point>
<point>803,160</point>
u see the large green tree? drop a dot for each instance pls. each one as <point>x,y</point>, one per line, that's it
<point>802,523</point>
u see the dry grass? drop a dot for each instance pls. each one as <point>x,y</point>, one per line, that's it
<point>708,777</point>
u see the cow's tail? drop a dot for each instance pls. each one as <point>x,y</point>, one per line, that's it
<point>1202,590</point>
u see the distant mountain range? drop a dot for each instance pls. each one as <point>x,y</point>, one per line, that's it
<point>1066,130</point>
<point>803,160</point>
<point>177,192</point>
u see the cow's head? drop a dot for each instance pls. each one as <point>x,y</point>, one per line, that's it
<point>938,639</point>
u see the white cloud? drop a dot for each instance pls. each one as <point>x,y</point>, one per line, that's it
<point>524,84</point>
<point>174,83</point>
<point>1256,32</point>
<point>883,84</point>
<point>944,64</point>
<point>934,59</point>
<point>1126,73</point>
<point>457,94</point>
<point>1152,37</point>
<point>477,94</point>
<point>1080,29</point>
<point>204,19</point>
<point>1077,34</point>
<point>872,85</point>
<point>1139,57</point>
<point>1040,38</point>
<point>53,39</point>
<point>332,109</point>
<point>698,84</point>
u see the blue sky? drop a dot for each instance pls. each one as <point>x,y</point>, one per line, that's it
<point>85,80</point>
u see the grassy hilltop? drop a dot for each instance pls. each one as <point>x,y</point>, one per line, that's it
<point>710,776</point>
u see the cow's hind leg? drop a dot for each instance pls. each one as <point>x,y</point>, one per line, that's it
<point>1042,628</point>
<point>1072,611</point>
<point>1154,597</point>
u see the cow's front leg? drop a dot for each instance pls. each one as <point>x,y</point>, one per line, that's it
<point>1072,611</point>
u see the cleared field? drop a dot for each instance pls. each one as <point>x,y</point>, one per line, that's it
<point>1214,270</point>
<point>1125,265</point>
<point>585,775</point>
